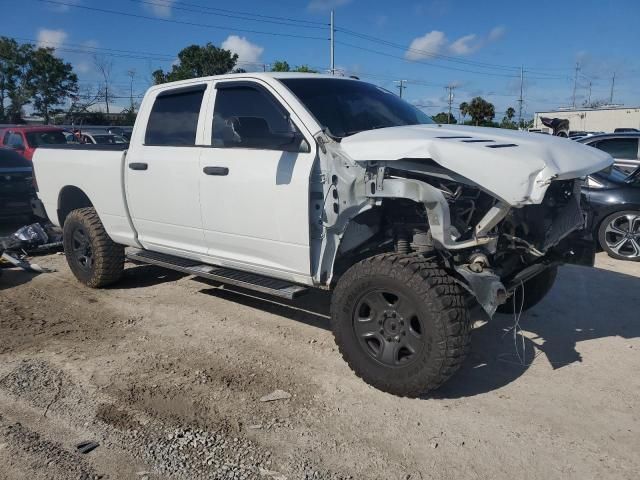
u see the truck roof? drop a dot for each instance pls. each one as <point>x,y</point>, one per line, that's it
<point>252,75</point>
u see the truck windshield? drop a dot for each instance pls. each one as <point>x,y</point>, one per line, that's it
<point>346,107</point>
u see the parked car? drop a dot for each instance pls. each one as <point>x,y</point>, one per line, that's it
<point>16,185</point>
<point>122,131</point>
<point>623,147</point>
<point>614,198</point>
<point>25,139</point>
<point>102,138</point>
<point>285,182</point>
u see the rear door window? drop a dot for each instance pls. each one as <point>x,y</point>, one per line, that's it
<point>174,117</point>
<point>622,148</point>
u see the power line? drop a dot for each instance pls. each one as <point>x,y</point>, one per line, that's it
<point>205,10</point>
<point>437,55</point>
<point>179,22</point>
<point>248,13</point>
<point>430,54</point>
<point>446,67</point>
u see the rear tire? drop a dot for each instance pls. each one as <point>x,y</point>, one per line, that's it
<point>534,291</point>
<point>94,259</point>
<point>400,322</point>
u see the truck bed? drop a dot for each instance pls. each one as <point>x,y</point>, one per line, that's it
<point>94,170</point>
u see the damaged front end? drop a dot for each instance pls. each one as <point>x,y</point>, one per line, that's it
<point>490,246</point>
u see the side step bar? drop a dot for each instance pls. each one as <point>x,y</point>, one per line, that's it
<point>251,281</point>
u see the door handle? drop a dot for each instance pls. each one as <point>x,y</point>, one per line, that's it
<point>222,171</point>
<point>138,166</point>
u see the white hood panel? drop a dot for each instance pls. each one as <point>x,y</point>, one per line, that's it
<point>518,173</point>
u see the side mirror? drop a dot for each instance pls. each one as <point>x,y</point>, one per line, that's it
<point>294,142</point>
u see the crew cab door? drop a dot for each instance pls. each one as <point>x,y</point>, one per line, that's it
<point>254,181</point>
<point>162,171</point>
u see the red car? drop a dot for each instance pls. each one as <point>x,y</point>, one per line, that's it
<point>25,139</point>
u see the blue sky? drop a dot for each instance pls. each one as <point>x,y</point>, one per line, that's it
<point>476,46</point>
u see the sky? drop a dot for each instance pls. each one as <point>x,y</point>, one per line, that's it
<point>478,48</point>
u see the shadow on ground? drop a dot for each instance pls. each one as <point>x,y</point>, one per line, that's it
<point>585,304</point>
<point>143,275</point>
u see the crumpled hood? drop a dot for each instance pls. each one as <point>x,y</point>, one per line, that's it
<point>515,166</point>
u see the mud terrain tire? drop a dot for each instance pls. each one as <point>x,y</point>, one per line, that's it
<point>94,258</point>
<point>409,296</point>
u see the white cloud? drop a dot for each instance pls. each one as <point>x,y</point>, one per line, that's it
<point>324,5</point>
<point>247,52</point>
<point>496,33</point>
<point>160,8</point>
<point>83,67</point>
<point>51,38</point>
<point>436,42</point>
<point>425,46</point>
<point>464,45</point>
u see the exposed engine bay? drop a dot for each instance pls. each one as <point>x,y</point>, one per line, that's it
<point>491,247</point>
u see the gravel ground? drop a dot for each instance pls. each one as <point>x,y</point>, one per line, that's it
<point>167,372</point>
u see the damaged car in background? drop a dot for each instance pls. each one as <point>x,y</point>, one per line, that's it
<point>285,182</point>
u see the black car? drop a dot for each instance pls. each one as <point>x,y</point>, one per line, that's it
<point>623,147</point>
<point>614,211</point>
<point>16,185</point>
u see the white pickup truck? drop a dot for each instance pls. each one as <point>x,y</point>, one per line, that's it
<point>283,182</point>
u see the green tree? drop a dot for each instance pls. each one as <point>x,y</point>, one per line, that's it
<point>444,117</point>
<point>464,110</point>
<point>507,120</point>
<point>481,111</point>
<point>51,83</point>
<point>304,69</point>
<point>14,86</point>
<point>198,61</point>
<point>283,66</point>
<point>280,66</point>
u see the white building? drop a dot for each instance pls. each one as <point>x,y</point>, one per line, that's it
<point>604,119</point>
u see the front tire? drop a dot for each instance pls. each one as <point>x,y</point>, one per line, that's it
<point>94,259</point>
<point>400,322</point>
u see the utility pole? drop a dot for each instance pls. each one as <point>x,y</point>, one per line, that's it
<point>401,85</point>
<point>520,100</point>
<point>613,82</point>
<point>589,96</point>
<point>451,88</point>
<point>132,74</point>
<point>575,84</point>
<point>332,45</point>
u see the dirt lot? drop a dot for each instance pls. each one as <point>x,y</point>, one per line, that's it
<point>166,373</point>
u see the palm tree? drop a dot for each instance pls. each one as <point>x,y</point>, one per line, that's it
<point>510,113</point>
<point>464,110</point>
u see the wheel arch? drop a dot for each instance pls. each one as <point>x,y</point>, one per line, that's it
<point>71,198</point>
